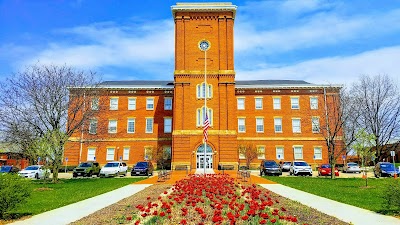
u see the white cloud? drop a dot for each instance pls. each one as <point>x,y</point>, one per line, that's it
<point>333,70</point>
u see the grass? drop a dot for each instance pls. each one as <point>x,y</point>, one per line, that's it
<point>351,191</point>
<point>48,196</point>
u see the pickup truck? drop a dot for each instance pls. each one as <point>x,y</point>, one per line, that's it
<point>87,169</point>
<point>113,169</point>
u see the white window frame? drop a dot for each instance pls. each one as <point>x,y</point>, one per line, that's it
<point>114,103</point>
<point>298,152</point>
<point>315,127</point>
<point>110,154</point>
<point>258,102</point>
<point>111,127</point>
<point>277,124</point>
<point>296,128</point>
<point>149,125</point>
<point>259,124</point>
<point>241,125</point>
<point>200,90</point>
<point>276,102</point>
<point>95,103</point>
<point>131,103</point>
<point>280,151</point>
<point>295,102</point>
<point>93,126</point>
<point>241,103</point>
<point>130,121</point>
<point>317,152</point>
<point>150,103</point>
<point>125,155</point>
<point>167,125</point>
<point>167,103</point>
<point>313,102</point>
<point>261,152</point>
<point>91,154</point>
<point>200,117</point>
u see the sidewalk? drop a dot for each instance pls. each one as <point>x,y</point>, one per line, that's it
<point>344,212</point>
<point>76,211</point>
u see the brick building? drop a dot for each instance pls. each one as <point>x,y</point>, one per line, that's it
<point>280,117</point>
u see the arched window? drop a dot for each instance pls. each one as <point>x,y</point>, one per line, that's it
<point>201,89</point>
<point>201,116</point>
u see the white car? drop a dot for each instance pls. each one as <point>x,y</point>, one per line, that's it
<point>351,167</point>
<point>35,171</point>
<point>300,167</point>
<point>113,169</point>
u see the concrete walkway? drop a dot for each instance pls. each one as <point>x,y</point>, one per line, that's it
<point>76,211</point>
<point>344,212</point>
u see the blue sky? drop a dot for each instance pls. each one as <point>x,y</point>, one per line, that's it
<point>323,42</point>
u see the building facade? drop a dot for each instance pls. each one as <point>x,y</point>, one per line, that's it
<point>281,118</point>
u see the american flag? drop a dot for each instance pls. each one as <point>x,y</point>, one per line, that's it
<point>205,128</point>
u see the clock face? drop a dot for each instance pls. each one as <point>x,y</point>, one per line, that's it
<point>204,45</point>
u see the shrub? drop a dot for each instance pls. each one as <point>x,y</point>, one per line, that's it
<point>391,194</point>
<point>14,190</point>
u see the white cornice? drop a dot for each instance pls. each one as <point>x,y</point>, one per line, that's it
<point>289,86</point>
<point>204,7</point>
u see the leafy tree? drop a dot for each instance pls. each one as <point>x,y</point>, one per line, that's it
<point>363,146</point>
<point>46,103</point>
<point>249,151</point>
<point>162,155</point>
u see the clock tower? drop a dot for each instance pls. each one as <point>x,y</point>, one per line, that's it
<point>204,72</point>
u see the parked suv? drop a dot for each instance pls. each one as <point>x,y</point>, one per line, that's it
<point>113,169</point>
<point>142,168</point>
<point>9,169</point>
<point>300,167</point>
<point>385,169</point>
<point>87,169</point>
<point>270,167</point>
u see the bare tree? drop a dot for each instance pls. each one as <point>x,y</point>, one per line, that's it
<point>363,147</point>
<point>46,102</point>
<point>379,109</point>
<point>249,151</point>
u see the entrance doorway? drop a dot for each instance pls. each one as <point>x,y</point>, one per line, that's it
<point>204,160</point>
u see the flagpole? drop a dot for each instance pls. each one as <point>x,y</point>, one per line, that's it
<point>205,104</point>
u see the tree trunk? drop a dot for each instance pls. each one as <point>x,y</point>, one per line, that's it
<point>55,173</point>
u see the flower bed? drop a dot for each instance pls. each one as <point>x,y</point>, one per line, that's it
<point>213,199</point>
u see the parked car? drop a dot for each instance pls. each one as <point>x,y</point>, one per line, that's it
<point>143,168</point>
<point>113,169</point>
<point>385,169</point>
<point>35,171</point>
<point>87,169</point>
<point>325,170</point>
<point>351,167</point>
<point>285,166</point>
<point>270,167</point>
<point>300,167</point>
<point>9,169</point>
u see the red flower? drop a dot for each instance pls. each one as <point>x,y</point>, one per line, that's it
<point>245,217</point>
<point>273,220</point>
<point>129,218</point>
<point>283,209</point>
<point>183,222</point>
<point>263,222</point>
<point>162,214</point>
<point>137,222</point>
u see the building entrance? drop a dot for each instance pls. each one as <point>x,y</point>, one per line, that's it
<point>204,160</point>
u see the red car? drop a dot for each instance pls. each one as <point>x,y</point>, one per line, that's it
<point>325,170</point>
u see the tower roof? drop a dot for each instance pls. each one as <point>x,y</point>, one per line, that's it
<point>204,7</point>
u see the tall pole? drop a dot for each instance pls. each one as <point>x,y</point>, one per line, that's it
<point>205,104</point>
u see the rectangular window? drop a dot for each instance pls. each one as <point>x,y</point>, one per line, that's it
<point>296,127</point>
<point>149,103</point>
<point>110,154</point>
<point>280,153</point>
<point>259,125</point>
<point>93,126</point>
<point>258,103</point>
<point>131,125</point>
<point>241,125</point>
<point>148,153</point>
<point>315,124</point>
<point>167,125</point>
<point>112,126</point>
<point>314,103</point>
<point>126,153</point>
<point>298,152</point>
<point>95,104</point>
<point>295,102</point>
<point>261,152</point>
<point>278,125</point>
<point>167,103</point>
<point>240,103</point>
<point>131,103</point>
<point>91,154</point>
<point>113,103</point>
<point>149,125</point>
<point>317,153</point>
<point>277,103</point>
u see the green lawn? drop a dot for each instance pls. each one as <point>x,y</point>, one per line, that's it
<point>67,191</point>
<point>351,191</point>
